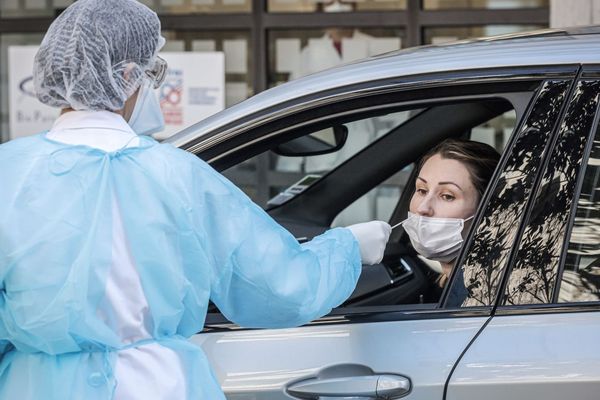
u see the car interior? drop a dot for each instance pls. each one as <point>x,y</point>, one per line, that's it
<point>403,279</point>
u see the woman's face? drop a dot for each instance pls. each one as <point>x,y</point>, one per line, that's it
<point>444,190</point>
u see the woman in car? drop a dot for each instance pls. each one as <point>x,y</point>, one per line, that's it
<point>450,182</point>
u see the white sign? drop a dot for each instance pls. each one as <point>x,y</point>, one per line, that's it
<point>26,114</point>
<point>193,89</point>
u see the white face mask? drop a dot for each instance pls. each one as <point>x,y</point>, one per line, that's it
<point>437,239</point>
<point>147,117</point>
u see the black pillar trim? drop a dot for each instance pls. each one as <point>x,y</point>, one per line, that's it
<point>25,25</point>
<point>207,22</point>
<point>370,19</point>
<point>533,16</point>
<point>414,35</point>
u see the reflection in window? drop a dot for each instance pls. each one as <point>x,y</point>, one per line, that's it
<point>581,275</point>
<point>445,35</point>
<point>334,5</point>
<point>533,277</point>
<point>296,53</point>
<point>489,251</point>
<point>494,4</point>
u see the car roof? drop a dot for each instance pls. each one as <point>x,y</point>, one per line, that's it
<point>543,47</point>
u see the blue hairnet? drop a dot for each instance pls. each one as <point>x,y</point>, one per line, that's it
<point>95,53</point>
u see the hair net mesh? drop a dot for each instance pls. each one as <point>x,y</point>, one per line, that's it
<point>95,53</point>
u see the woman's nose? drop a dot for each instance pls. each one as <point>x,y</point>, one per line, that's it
<point>425,207</point>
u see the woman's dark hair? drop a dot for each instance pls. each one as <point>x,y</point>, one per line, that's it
<point>479,158</point>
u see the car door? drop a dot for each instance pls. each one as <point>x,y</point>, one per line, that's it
<point>542,341</point>
<point>392,351</point>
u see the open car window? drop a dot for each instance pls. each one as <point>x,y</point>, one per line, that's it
<point>379,203</point>
<point>288,176</point>
<point>372,177</point>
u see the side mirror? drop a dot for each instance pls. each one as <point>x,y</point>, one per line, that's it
<point>325,141</point>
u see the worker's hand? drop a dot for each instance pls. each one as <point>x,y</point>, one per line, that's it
<point>372,238</point>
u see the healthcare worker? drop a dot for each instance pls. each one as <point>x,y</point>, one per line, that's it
<point>112,245</point>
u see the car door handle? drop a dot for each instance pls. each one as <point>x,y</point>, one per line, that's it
<point>370,386</point>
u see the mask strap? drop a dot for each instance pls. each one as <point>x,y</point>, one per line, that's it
<point>471,217</point>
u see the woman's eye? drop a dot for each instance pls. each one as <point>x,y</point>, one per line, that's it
<point>447,197</point>
<point>421,191</point>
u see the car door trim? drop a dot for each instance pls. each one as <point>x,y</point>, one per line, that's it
<point>462,354</point>
<point>560,308</point>
<point>216,322</point>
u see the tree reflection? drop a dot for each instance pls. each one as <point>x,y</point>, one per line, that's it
<point>534,275</point>
<point>495,234</point>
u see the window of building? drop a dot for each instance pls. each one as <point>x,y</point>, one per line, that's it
<point>581,275</point>
<point>296,53</point>
<point>279,40</point>
<point>32,8</point>
<point>238,60</point>
<point>440,35</point>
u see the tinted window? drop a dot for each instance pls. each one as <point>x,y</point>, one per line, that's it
<point>581,274</point>
<point>533,277</point>
<point>487,254</point>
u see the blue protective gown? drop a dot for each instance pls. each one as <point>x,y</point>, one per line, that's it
<point>192,236</point>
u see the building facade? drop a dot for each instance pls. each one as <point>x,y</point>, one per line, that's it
<point>267,42</point>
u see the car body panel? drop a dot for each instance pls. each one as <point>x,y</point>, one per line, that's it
<point>251,364</point>
<point>450,353</point>
<point>552,356</point>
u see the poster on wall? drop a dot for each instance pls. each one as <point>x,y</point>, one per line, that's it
<point>26,115</point>
<point>194,88</point>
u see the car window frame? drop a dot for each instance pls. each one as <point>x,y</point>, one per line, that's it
<point>587,72</point>
<point>359,313</point>
<point>212,146</point>
<point>304,200</point>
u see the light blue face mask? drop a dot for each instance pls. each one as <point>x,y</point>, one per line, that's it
<point>147,117</point>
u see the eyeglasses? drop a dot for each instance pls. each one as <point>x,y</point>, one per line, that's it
<point>158,72</point>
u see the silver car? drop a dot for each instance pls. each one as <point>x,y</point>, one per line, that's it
<point>520,316</point>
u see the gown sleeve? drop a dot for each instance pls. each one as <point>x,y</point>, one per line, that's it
<point>260,275</point>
